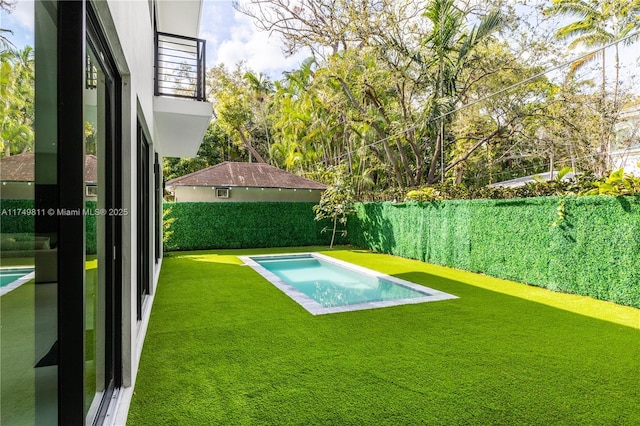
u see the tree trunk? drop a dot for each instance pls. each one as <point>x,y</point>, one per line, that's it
<point>333,234</point>
<point>378,130</point>
<point>602,157</point>
<point>247,145</point>
<point>434,161</point>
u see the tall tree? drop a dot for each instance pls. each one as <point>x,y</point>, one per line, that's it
<point>6,6</point>
<point>262,88</point>
<point>232,104</point>
<point>451,44</point>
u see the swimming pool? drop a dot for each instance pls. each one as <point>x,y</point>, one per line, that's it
<point>323,285</point>
<point>12,278</point>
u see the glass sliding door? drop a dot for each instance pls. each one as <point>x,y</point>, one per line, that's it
<point>28,229</point>
<point>102,225</point>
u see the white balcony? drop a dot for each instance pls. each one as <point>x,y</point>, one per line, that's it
<point>180,125</point>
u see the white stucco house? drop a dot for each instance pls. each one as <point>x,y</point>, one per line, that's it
<point>244,182</point>
<point>625,152</point>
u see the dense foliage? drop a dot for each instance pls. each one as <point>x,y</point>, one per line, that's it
<point>583,245</point>
<point>11,223</point>
<point>617,183</point>
<point>16,100</point>
<point>410,93</point>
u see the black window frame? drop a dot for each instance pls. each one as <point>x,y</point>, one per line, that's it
<point>77,25</point>
<point>143,225</point>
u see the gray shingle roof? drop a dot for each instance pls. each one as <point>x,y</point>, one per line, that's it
<point>252,175</point>
<point>21,168</point>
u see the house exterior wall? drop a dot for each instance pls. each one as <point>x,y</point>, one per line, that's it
<point>24,191</point>
<point>241,195</point>
<point>17,190</point>
<point>130,31</point>
<point>627,159</point>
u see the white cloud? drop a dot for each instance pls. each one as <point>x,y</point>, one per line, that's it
<point>261,52</point>
<point>23,14</point>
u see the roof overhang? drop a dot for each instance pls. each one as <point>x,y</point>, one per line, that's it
<point>180,125</point>
<point>180,17</point>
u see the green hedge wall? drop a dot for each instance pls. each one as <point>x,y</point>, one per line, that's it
<point>593,250</point>
<point>20,224</point>
<point>204,225</point>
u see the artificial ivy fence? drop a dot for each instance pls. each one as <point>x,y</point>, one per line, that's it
<point>583,245</point>
<point>11,223</point>
<point>197,226</point>
<point>22,223</point>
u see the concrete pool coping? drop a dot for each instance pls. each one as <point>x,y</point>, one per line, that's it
<point>315,308</point>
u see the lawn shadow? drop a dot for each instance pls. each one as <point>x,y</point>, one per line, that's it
<point>529,299</point>
<point>582,305</point>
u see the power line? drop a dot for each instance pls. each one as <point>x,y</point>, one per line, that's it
<point>487,97</point>
<point>544,164</point>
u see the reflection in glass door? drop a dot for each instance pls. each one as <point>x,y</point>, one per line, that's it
<point>28,230</point>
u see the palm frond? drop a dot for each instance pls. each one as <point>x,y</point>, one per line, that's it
<point>577,65</point>
<point>577,8</point>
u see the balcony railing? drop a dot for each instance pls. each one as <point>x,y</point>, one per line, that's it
<point>180,66</point>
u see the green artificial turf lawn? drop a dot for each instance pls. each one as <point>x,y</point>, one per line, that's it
<point>224,346</point>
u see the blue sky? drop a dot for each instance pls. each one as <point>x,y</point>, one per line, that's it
<point>231,37</point>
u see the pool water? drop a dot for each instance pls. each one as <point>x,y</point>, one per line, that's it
<point>323,285</point>
<point>332,285</point>
<point>12,278</point>
<point>9,275</point>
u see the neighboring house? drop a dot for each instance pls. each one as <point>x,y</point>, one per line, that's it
<point>626,148</point>
<point>628,159</point>
<point>522,181</point>
<point>123,79</point>
<point>244,182</point>
<point>18,177</point>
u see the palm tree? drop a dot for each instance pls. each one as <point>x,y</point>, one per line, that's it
<point>600,22</point>
<point>450,45</point>
<point>296,115</point>
<point>262,89</point>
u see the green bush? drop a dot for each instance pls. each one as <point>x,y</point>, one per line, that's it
<point>198,226</point>
<point>582,245</point>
